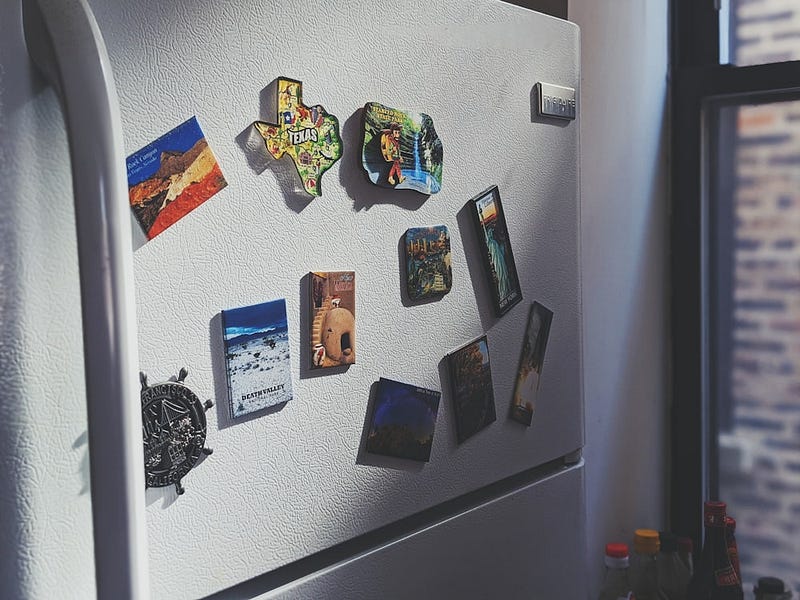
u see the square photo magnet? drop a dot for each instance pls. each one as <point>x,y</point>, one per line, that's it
<point>403,420</point>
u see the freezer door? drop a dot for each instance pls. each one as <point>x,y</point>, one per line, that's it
<point>526,544</point>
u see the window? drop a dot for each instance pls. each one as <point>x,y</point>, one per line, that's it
<point>757,32</point>
<point>736,275</point>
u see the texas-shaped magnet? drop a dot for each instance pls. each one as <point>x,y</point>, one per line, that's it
<point>309,134</point>
<point>401,149</point>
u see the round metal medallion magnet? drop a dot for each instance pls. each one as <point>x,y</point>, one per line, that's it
<point>173,430</point>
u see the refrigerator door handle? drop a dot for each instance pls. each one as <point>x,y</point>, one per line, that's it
<point>64,40</point>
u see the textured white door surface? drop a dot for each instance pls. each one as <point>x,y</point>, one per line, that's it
<point>526,544</point>
<point>293,482</point>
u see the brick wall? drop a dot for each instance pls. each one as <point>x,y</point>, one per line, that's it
<point>762,484</point>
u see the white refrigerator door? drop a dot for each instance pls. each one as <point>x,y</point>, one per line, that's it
<point>294,482</point>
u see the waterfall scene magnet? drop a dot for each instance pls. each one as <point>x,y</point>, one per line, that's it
<point>333,321</point>
<point>309,135</point>
<point>401,149</point>
<point>257,357</point>
<point>403,420</point>
<point>170,177</point>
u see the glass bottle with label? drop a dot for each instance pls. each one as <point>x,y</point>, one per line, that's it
<point>616,585</point>
<point>685,549</point>
<point>730,542</point>
<point>644,572</point>
<point>673,574</point>
<point>714,577</point>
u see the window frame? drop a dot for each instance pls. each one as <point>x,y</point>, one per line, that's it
<point>698,84</point>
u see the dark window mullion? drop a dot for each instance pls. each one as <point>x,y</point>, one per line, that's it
<point>695,33</point>
<point>686,306</point>
<point>726,80</point>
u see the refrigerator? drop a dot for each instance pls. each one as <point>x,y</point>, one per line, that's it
<point>290,504</point>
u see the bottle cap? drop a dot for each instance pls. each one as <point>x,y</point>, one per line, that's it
<point>617,550</point>
<point>730,523</point>
<point>668,541</point>
<point>685,544</point>
<point>714,513</point>
<point>645,541</point>
<point>769,585</point>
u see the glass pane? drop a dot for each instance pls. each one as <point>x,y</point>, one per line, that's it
<point>755,32</point>
<point>754,315</point>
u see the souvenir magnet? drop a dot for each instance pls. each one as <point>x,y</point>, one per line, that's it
<point>333,321</point>
<point>401,149</point>
<point>473,394</point>
<point>429,271</point>
<point>257,357</point>
<point>403,420</point>
<point>498,260</point>
<point>309,135</point>
<point>174,431</point>
<point>170,177</point>
<point>530,363</point>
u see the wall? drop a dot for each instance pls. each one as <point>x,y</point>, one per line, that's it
<point>624,265</point>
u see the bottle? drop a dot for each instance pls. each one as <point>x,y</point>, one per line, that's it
<point>714,577</point>
<point>644,573</point>
<point>673,574</point>
<point>685,549</point>
<point>771,588</point>
<point>616,585</point>
<point>730,542</point>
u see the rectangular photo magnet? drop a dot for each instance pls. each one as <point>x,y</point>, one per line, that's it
<point>530,363</point>
<point>471,381</point>
<point>170,177</point>
<point>403,420</point>
<point>257,357</point>
<point>429,272</point>
<point>333,320</point>
<point>498,260</point>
